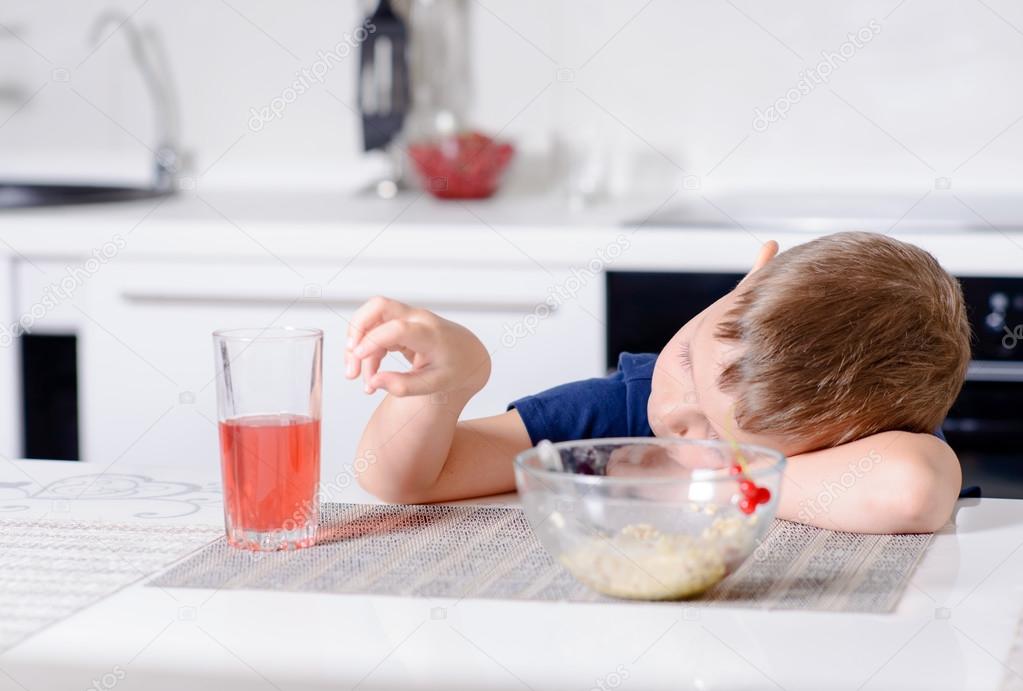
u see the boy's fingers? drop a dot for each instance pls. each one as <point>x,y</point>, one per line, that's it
<point>370,365</point>
<point>397,334</point>
<point>353,365</point>
<point>403,383</point>
<point>371,313</point>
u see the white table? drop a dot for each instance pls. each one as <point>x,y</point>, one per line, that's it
<point>952,630</point>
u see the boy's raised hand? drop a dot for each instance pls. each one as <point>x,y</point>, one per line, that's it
<point>445,356</point>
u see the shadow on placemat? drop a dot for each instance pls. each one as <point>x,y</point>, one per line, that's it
<point>490,552</point>
<point>383,522</point>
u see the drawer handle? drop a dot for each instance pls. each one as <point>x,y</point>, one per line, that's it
<point>510,307</point>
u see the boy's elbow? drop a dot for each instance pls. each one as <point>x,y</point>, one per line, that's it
<point>925,490</point>
<point>390,492</point>
<point>384,492</point>
<point>918,512</point>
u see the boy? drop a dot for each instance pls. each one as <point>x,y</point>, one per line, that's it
<point>845,353</point>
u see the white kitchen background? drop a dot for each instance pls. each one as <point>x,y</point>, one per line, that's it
<point>666,88</point>
<point>710,97</point>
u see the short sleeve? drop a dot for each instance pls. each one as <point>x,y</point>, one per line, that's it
<point>612,406</point>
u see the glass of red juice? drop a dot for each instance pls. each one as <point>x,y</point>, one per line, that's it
<point>269,390</point>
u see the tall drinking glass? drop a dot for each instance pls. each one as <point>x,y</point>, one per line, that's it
<point>269,386</point>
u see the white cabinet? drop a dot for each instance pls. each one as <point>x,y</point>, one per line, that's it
<point>147,393</point>
<point>50,297</point>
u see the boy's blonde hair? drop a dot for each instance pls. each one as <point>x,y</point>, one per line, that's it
<point>846,336</point>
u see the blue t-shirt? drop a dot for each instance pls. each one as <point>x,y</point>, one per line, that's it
<point>611,406</point>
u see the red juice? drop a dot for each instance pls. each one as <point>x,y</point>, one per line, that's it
<point>271,468</point>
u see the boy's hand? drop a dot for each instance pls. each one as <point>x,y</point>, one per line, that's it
<point>445,356</point>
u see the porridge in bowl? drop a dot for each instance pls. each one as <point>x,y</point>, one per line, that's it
<point>649,518</point>
<point>641,562</point>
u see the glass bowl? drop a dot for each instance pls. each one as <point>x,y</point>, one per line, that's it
<point>649,518</point>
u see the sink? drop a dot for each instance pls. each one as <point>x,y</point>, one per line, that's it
<point>19,195</point>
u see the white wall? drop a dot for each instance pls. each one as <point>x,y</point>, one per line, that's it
<point>651,82</point>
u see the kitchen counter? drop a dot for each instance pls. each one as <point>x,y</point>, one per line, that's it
<point>952,629</point>
<point>689,229</point>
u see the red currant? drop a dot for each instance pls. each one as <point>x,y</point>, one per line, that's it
<point>763,495</point>
<point>735,470</point>
<point>747,505</point>
<point>748,489</point>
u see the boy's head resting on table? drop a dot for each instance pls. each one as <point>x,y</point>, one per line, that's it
<point>833,340</point>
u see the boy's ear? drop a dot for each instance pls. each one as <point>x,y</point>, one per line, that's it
<point>767,253</point>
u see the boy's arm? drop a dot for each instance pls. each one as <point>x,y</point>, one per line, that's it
<point>892,482</point>
<point>432,459</point>
<point>414,448</point>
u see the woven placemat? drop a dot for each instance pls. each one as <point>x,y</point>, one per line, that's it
<point>491,552</point>
<point>51,569</point>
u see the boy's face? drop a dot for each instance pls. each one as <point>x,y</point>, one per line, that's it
<point>685,400</point>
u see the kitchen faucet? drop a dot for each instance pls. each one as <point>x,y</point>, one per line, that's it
<point>150,58</point>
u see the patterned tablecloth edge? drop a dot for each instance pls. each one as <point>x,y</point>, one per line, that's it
<point>215,534</point>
